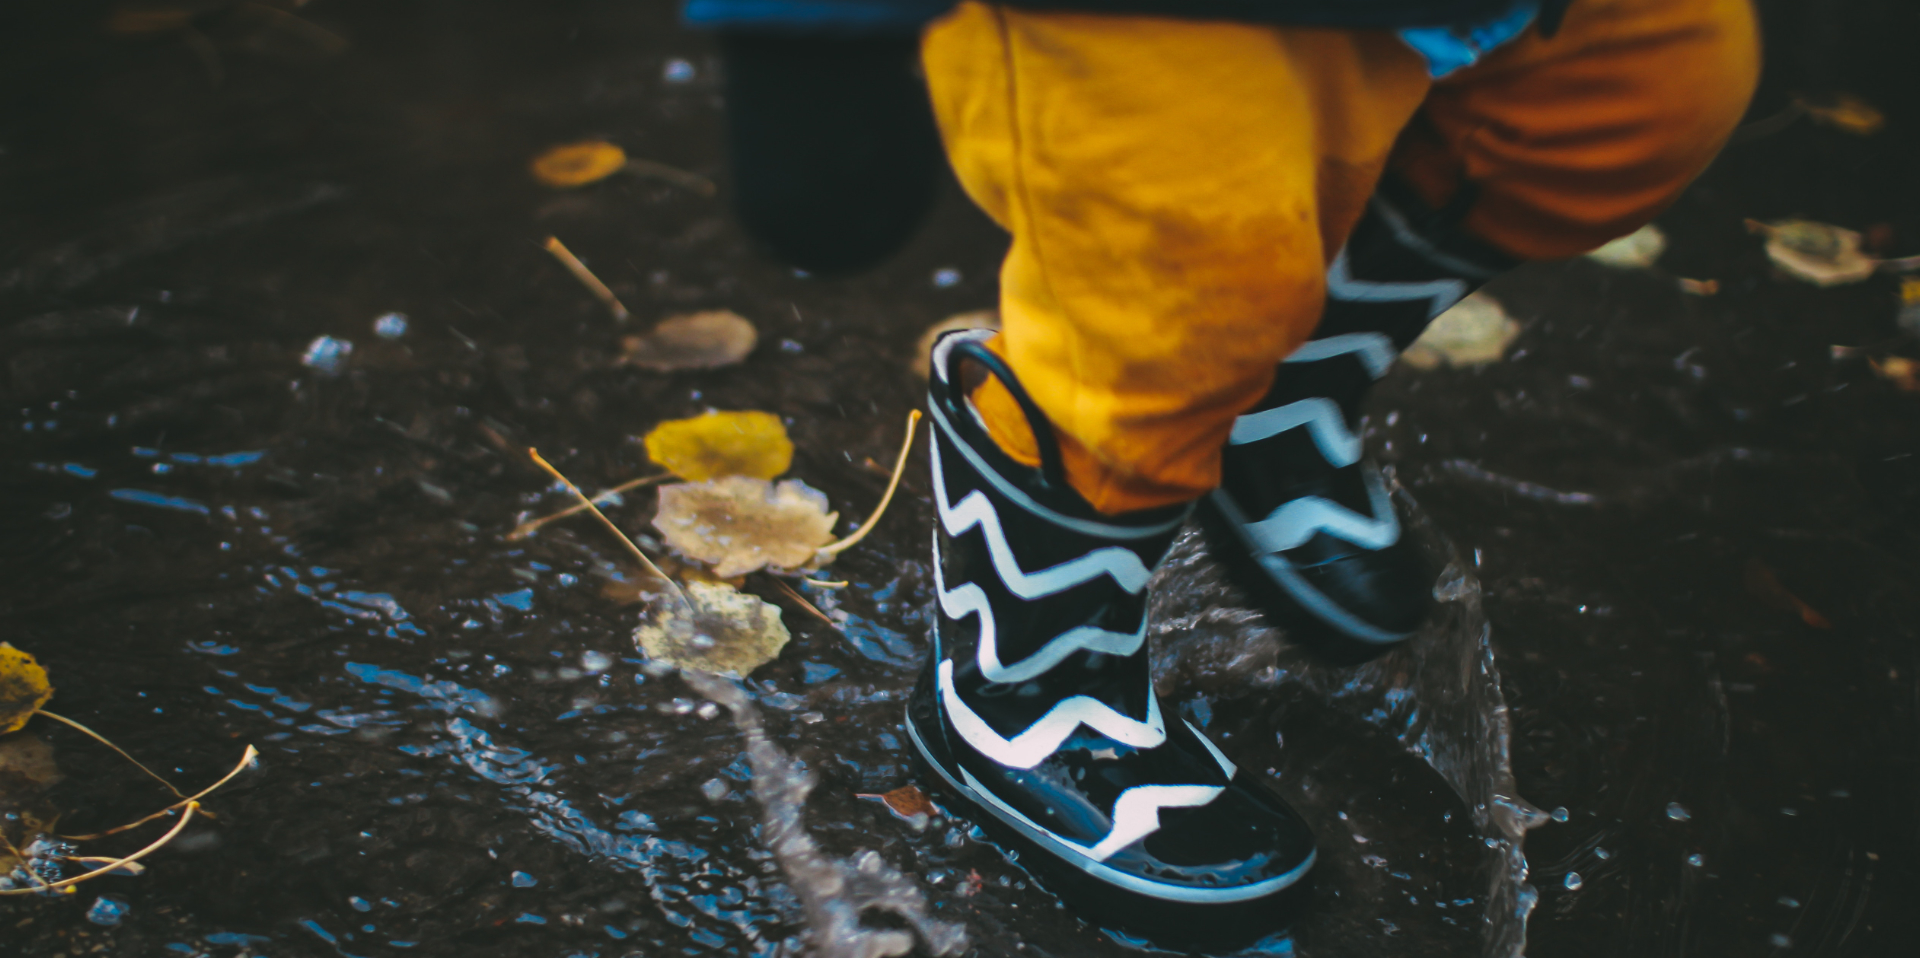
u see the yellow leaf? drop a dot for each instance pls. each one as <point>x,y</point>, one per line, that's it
<point>923,350</point>
<point>577,164</point>
<point>749,443</point>
<point>23,688</point>
<point>730,632</point>
<point>707,340</point>
<point>1848,113</point>
<point>739,524</point>
<point>1910,291</point>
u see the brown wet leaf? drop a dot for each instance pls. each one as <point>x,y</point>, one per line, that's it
<point>1476,331</point>
<point>577,164</point>
<point>1766,587</point>
<point>1820,253</point>
<point>923,350</point>
<point>23,688</point>
<point>730,632</point>
<point>745,443</point>
<point>739,524</point>
<point>1902,372</point>
<point>1636,250</point>
<point>706,340</point>
<point>906,801</point>
<point>1845,112</point>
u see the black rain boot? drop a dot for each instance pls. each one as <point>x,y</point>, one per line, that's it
<point>1037,714</point>
<point>1301,517</point>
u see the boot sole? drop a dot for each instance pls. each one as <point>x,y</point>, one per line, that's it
<point>1292,609</point>
<point>1164,922</point>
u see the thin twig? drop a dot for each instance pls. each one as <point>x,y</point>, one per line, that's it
<point>797,597</point>
<point>102,740</point>
<point>26,864</point>
<point>832,549</point>
<point>586,278</point>
<point>185,816</point>
<point>678,177</point>
<point>530,526</point>
<point>245,760</point>
<point>597,514</point>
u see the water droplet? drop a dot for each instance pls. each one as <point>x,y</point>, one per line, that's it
<point>327,355</point>
<point>1789,901</point>
<point>1779,940</point>
<point>1696,859</point>
<point>677,71</point>
<point>1602,854</point>
<point>946,277</point>
<point>108,910</point>
<point>390,326</point>
<point>1574,881</point>
<point>1678,812</point>
<point>1560,814</point>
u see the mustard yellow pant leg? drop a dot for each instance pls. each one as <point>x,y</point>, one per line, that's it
<point>1174,189</point>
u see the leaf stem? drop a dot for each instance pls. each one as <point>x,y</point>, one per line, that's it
<point>586,278</point>
<point>597,514</point>
<point>185,816</point>
<point>245,760</point>
<point>832,549</point>
<point>530,526</point>
<point>102,740</point>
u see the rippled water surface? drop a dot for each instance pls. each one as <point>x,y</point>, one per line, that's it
<point>1611,740</point>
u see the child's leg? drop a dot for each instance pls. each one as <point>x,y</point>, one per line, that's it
<point>1174,189</point>
<point>1583,137</point>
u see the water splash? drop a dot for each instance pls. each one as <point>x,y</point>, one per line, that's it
<point>1438,695</point>
<point>835,892</point>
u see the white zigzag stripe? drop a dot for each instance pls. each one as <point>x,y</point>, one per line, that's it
<point>1136,813</point>
<point>1441,292</point>
<point>1122,565</point>
<point>1375,350</point>
<point>970,599</point>
<point>1320,415</point>
<point>1043,737</point>
<point>1291,525</point>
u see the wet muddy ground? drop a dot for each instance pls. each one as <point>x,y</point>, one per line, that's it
<point>210,544</point>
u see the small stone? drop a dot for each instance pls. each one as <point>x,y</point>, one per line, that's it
<point>714,789</point>
<point>524,880</point>
<point>1678,812</point>
<point>108,910</point>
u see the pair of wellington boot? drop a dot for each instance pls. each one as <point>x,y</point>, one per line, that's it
<point>1035,713</point>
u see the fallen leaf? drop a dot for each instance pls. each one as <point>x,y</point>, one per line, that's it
<point>1474,332</point>
<point>906,801</point>
<point>1819,253</point>
<point>739,524</point>
<point>23,688</point>
<point>706,340</point>
<point>577,164</point>
<point>1637,249</point>
<point>1845,112</point>
<point>1902,372</point>
<point>748,443</point>
<point>923,350</point>
<point>1908,318</point>
<point>729,632</point>
<point>1765,586</point>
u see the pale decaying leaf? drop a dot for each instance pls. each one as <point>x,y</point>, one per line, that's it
<point>730,632</point>
<point>1902,372</point>
<point>577,164</point>
<point>923,350</point>
<point>23,688</point>
<point>1819,253</point>
<point>1638,249</point>
<point>695,341</point>
<point>746,443</point>
<point>739,524</point>
<point>1474,332</point>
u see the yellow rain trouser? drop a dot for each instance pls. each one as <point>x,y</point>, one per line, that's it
<point>1176,188</point>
